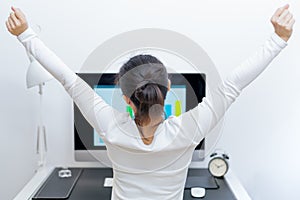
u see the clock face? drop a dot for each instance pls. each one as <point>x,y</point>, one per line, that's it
<point>218,167</point>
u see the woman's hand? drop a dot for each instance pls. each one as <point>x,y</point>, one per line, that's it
<point>283,22</point>
<point>16,22</point>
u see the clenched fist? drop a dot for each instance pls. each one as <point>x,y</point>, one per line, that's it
<point>283,22</point>
<point>16,22</point>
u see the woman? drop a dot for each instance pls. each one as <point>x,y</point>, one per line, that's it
<point>151,155</point>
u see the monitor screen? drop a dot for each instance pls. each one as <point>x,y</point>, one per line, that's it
<point>187,90</point>
<point>175,103</point>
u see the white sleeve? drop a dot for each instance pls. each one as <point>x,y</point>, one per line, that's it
<point>94,109</point>
<point>208,113</point>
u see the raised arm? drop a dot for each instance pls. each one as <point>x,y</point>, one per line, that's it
<point>18,26</point>
<point>212,109</point>
<point>89,103</point>
<point>283,22</point>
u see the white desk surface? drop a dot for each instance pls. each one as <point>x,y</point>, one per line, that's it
<point>41,175</point>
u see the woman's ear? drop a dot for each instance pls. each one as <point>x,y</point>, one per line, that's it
<point>169,85</point>
<point>130,103</point>
<point>126,99</point>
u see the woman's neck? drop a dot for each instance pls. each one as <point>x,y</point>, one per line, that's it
<point>147,131</point>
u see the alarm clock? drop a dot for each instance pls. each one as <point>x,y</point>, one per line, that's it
<point>218,165</point>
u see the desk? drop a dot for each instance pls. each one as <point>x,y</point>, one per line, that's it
<point>32,186</point>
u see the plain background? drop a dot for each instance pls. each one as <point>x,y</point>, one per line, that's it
<point>261,131</point>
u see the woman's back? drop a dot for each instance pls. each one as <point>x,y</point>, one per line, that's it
<point>149,171</point>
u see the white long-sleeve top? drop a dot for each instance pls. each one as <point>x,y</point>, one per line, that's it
<point>158,170</point>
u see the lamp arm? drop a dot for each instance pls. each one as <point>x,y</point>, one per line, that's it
<point>41,88</point>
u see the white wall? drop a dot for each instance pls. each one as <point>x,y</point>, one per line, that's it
<point>260,132</point>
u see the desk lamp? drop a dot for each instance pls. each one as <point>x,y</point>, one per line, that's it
<point>37,76</point>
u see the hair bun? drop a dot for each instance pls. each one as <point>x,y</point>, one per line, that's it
<point>142,94</point>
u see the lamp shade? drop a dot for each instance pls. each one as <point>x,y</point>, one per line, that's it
<point>36,74</point>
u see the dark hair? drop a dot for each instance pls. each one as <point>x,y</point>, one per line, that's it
<point>149,98</point>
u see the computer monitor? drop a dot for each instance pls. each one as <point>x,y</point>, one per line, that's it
<point>187,90</point>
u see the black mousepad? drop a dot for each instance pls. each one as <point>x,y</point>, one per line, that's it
<point>207,182</point>
<point>56,187</point>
